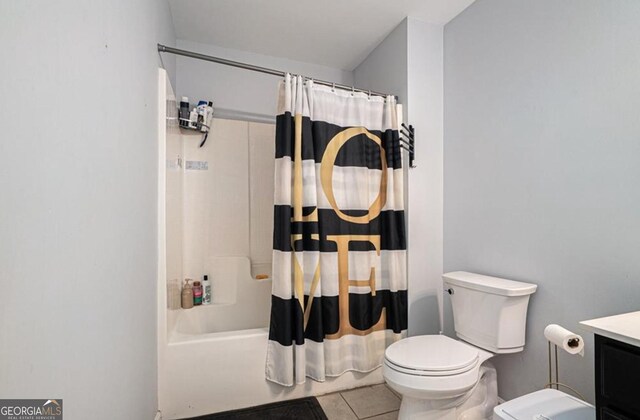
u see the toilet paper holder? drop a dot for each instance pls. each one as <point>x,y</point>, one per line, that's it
<point>551,382</point>
<point>573,342</point>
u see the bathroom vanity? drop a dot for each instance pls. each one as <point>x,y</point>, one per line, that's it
<point>617,365</point>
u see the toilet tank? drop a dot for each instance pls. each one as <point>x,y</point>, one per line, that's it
<point>489,312</point>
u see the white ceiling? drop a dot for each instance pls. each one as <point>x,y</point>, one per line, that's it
<point>334,33</point>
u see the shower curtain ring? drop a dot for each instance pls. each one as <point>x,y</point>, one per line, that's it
<point>369,95</point>
<point>353,90</point>
<point>333,87</point>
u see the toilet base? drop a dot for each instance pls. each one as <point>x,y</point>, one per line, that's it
<point>475,404</point>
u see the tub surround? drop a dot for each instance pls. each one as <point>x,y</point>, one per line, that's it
<point>239,302</point>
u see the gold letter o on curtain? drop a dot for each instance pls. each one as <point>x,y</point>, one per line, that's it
<point>326,174</point>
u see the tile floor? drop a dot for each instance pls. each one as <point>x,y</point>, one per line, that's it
<point>377,402</point>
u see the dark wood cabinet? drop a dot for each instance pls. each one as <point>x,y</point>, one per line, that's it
<point>606,414</point>
<point>617,367</point>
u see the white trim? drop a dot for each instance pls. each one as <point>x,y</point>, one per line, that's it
<point>158,416</point>
<point>161,219</point>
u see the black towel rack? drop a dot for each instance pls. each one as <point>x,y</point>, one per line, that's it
<point>408,142</point>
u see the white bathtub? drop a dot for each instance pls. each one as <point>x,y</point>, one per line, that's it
<point>205,369</point>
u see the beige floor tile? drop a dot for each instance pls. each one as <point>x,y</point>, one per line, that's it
<point>335,407</point>
<point>391,389</point>
<point>387,416</point>
<point>371,401</point>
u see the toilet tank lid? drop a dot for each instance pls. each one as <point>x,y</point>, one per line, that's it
<point>488,284</point>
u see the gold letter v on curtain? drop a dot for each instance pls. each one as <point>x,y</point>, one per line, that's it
<point>339,263</point>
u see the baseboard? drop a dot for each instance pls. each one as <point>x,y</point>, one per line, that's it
<point>158,416</point>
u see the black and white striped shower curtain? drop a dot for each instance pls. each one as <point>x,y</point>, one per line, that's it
<point>339,262</point>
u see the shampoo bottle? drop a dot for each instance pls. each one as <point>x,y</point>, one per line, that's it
<point>208,118</point>
<point>206,291</point>
<point>197,293</point>
<point>187,295</point>
<point>193,119</point>
<point>202,113</point>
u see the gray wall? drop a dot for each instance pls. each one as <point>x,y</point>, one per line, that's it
<point>542,162</point>
<point>237,92</point>
<point>385,68</point>
<point>409,63</point>
<point>425,185</point>
<point>78,184</point>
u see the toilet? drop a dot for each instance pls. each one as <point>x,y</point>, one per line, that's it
<point>441,378</point>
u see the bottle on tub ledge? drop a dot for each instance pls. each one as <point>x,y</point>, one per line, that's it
<point>206,291</point>
<point>187,295</point>
<point>197,293</point>
<point>174,298</point>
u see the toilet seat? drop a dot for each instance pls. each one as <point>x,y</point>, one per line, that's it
<point>432,367</point>
<point>431,355</point>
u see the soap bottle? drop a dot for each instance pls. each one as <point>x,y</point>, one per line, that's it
<point>206,291</point>
<point>197,293</point>
<point>184,112</point>
<point>187,295</point>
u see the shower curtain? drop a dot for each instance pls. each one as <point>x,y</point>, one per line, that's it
<point>339,294</point>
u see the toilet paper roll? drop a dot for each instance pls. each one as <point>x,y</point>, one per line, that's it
<point>565,339</point>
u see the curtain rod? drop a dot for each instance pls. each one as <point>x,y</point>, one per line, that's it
<point>185,53</point>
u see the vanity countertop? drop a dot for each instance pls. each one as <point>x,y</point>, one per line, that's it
<point>624,327</point>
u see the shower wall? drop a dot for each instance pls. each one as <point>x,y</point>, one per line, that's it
<point>228,197</point>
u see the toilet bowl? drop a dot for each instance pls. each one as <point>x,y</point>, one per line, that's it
<point>436,375</point>
<point>432,366</point>
<point>441,378</point>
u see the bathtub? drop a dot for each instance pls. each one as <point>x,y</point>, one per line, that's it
<point>214,358</point>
